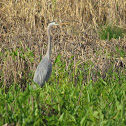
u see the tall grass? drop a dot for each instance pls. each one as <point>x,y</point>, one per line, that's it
<point>110,32</point>
<point>23,25</point>
<point>67,99</point>
<point>87,85</point>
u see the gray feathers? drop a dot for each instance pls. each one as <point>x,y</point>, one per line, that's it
<point>43,71</point>
<point>44,68</point>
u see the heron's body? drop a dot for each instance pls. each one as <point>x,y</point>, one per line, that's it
<point>43,71</point>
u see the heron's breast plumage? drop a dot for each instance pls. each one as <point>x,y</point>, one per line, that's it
<point>43,71</point>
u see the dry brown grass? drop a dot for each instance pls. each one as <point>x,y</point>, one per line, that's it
<point>23,24</point>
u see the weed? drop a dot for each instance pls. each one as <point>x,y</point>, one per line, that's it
<point>108,32</point>
<point>60,102</point>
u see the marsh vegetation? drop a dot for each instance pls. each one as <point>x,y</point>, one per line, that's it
<point>88,81</point>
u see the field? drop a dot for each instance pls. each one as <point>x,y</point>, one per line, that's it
<point>88,82</point>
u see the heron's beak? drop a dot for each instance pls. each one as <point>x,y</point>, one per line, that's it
<point>62,23</point>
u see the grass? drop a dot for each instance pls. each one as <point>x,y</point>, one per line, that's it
<point>67,99</point>
<point>108,32</point>
<point>88,83</point>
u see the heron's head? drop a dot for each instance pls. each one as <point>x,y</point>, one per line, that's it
<point>53,23</point>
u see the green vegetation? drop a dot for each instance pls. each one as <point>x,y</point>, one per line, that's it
<point>88,82</point>
<point>108,32</point>
<point>66,99</point>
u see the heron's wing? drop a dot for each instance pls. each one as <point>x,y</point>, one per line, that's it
<point>43,71</point>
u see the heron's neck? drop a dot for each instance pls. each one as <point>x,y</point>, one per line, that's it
<point>48,53</point>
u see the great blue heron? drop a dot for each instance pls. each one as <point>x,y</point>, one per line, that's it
<point>44,68</point>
